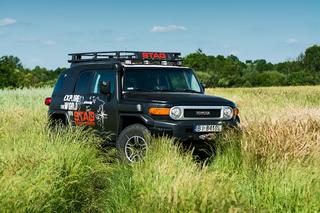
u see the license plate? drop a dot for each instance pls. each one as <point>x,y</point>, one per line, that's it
<point>207,128</point>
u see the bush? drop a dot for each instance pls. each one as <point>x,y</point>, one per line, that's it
<point>303,77</point>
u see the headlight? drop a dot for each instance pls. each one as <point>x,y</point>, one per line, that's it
<point>175,113</point>
<point>227,113</point>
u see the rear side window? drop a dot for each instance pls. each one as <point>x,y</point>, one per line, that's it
<point>83,85</point>
<point>58,88</point>
<point>106,75</point>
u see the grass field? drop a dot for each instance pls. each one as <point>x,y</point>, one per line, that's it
<point>272,167</point>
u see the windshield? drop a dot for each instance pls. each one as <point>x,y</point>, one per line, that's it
<point>160,79</point>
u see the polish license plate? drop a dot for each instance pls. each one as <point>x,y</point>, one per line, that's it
<point>207,128</point>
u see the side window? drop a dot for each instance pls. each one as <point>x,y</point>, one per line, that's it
<point>83,85</point>
<point>103,75</point>
<point>194,83</point>
<point>59,85</point>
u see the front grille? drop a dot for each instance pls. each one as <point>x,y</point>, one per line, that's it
<point>202,113</point>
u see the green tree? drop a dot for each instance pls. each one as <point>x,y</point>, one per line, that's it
<point>312,58</point>
<point>262,65</point>
<point>10,71</point>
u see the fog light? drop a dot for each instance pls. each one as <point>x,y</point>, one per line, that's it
<point>164,63</point>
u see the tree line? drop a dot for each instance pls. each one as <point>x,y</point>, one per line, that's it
<point>214,71</point>
<point>14,75</point>
<point>220,71</point>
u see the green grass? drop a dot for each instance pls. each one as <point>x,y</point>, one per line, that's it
<point>272,167</point>
<point>41,171</point>
<point>259,104</point>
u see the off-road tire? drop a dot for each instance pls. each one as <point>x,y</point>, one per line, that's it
<point>132,134</point>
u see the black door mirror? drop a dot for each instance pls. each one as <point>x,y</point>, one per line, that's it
<point>105,88</point>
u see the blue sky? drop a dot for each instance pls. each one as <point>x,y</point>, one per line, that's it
<point>43,32</point>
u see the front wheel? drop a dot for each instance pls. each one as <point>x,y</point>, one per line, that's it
<point>133,143</point>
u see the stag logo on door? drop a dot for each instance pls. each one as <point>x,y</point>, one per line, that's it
<point>84,118</point>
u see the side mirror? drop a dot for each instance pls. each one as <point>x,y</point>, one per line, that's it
<point>105,88</point>
<point>203,87</point>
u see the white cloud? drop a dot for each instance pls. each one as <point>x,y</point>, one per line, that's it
<point>169,28</point>
<point>291,41</point>
<point>7,21</point>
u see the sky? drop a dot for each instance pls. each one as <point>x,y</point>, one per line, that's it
<point>43,32</point>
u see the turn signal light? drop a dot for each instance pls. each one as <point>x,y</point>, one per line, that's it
<point>159,111</point>
<point>236,111</point>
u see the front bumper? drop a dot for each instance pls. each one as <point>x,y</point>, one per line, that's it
<point>183,130</point>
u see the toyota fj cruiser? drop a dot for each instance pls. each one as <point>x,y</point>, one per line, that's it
<point>131,95</point>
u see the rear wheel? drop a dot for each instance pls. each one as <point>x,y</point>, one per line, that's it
<point>133,143</point>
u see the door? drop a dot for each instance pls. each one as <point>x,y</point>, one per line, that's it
<point>94,108</point>
<point>103,105</point>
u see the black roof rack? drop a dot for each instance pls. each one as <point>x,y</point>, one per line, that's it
<point>129,57</point>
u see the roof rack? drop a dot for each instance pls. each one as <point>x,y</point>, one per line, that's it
<point>129,57</point>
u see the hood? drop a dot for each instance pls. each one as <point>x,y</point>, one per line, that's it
<point>178,98</point>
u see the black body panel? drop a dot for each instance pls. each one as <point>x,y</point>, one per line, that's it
<point>178,98</point>
<point>110,113</point>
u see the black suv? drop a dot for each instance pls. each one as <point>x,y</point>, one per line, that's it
<point>132,95</point>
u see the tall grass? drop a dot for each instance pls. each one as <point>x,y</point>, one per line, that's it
<point>249,175</point>
<point>273,166</point>
<point>275,103</point>
<point>43,171</point>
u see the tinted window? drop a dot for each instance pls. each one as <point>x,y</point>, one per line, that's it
<point>83,85</point>
<point>59,85</point>
<point>105,75</point>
